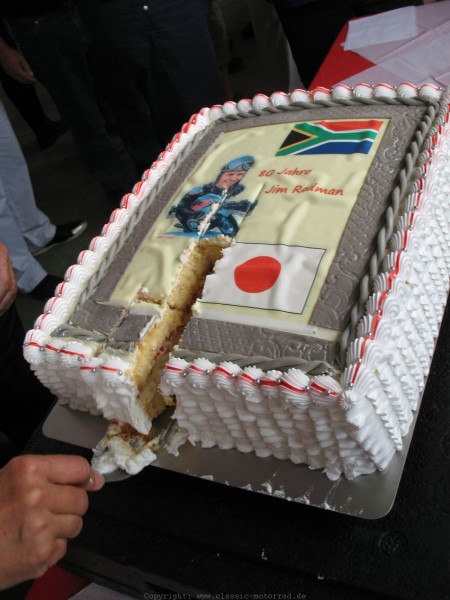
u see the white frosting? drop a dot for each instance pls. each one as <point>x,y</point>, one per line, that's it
<point>407,90</point>
<point>120,215</point>
<point>323,95</point>
<point>230,109</point>
<point>217,112</point>
<point>111,231</point>
<point>342,92</point>
<point>384,91</point>
<point>301,97</point>
<point>280,99</point>
<point>363,91</point>
<point>100,245</point>
<point>262,102</point>
<point>47,322</point>
<point>244,105</point>
<point>59,307</point>
<point>89,259</point>
<point>430,91</point>
<point>114,452</point>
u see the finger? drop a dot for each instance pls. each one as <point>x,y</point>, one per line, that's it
<point>68,500</point>
<point>27,78</point>
<point>27,72</point>
<point>67,469</point>
<point>94,483</point>
<point>67,527</point>
<point>21,77</point>
<point>48,545</point>
<point>59,550</point>
<point>38,563</point>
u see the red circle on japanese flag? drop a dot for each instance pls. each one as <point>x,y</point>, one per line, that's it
<point>257,274</point>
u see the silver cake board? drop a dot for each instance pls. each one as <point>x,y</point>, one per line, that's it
<point>368,496</point>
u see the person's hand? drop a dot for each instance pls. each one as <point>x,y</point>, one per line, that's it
<point>15,64</point>
<point>42,501</point>
<point>8,286</point>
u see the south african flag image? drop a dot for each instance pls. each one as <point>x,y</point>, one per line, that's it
<point>331,137</point>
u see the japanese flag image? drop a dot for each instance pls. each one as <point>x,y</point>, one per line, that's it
<point>264,276</point>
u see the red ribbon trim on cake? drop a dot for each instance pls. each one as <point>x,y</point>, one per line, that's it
<point>52,348</point>
<point>377,316</point>
<point>323,390</point>
<point>269,382</point>
<point>222,370</point>
<point>51,303</point>
<point>247,377</point>
<point>175,369</point>
<point>199,370</point>
<point>292,387</point>
<point>35,344</point>
<point>71,353</point>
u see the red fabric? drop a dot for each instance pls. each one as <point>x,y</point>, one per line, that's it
<point>56,584</point>
<point>339,64</point>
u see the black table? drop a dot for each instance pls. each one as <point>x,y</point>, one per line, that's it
<point>162,531</point>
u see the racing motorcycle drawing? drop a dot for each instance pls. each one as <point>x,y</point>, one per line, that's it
<point>213,200</point>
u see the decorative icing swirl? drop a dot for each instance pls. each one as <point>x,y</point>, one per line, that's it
<point>59,307</point>
<point>301,97</point>
<point>262,102</point>
<point>34,344</point>
<point>407,90</point>
<point>199,372</point>
<point>230,109</point>
<point>280,100</point>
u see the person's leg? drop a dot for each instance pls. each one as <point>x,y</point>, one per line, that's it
<point>55,47</point>
<point>183,42</point>
<point>28,271</point>
<point>24,400</point>
<point>25,99</point>
<point>221,41</point>
<point>272,44</point>
<point>17,200</point>
<point>120,56</point>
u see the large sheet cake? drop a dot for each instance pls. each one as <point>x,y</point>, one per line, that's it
<point>280,271</point>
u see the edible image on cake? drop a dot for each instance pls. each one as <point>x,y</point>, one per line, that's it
<point>242,189</point>
<point>264,276</point>
<point>331,137</point>
<point>208,210</point>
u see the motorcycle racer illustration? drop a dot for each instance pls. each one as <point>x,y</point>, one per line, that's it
<point>214,197</point>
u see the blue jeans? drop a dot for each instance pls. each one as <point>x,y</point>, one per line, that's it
<point>55,46</point>
<point>23,227</point>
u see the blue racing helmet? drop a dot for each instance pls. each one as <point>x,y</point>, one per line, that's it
<point>242,163</point>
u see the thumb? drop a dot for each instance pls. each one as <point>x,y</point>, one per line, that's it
<point>94,482</point>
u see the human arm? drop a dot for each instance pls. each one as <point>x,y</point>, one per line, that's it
<point>42,501</point>
<point>8,287</point>
<point>15,64</point>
